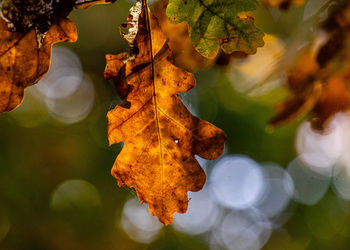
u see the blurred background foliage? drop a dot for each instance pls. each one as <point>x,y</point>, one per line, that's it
<point>282,189</point>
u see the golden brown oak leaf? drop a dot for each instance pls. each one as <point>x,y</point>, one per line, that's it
<point>23,63</point>
<point>161,136</point>
<point>283,4</point>
<point>320,80</point>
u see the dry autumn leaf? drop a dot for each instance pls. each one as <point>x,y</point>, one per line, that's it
<point>22,63</point>
<point>161,136</point>
<point>319,80</point>
<point>27,33</point>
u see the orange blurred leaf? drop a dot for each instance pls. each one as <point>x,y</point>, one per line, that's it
<point>26,38</point>
<point>23,63</point>
<point>283,4</point>
<point>320,80</point>
<point>161,136</point>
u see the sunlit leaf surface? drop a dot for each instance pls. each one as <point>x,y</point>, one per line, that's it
<point>161,136</point>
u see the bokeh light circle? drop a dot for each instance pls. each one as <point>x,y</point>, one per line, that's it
<point>279,186</point>
<point>74,108</point>
<point>320,149</point>
<point>237,182</point>
<point>309,186</point>
<point>138,224</point>
<point>243,230</point>
<point>201,215</point>
<point>75,195</point>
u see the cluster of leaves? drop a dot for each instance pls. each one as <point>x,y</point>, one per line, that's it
<point>319,78</point>
<point>161,136</point>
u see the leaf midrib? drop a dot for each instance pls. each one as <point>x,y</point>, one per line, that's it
<point>154,94</point>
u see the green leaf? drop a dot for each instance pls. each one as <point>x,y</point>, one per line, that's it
<point>216,23</point>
